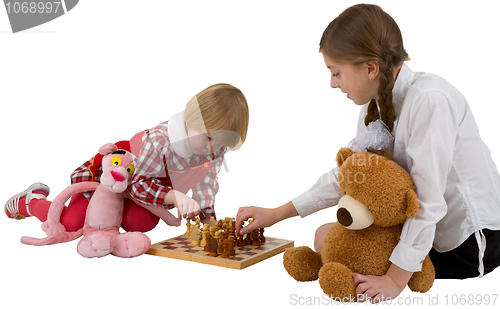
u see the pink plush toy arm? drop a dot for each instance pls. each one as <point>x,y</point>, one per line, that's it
<point>53,224</point>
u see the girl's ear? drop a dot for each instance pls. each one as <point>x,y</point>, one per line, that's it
<point>373,69</point>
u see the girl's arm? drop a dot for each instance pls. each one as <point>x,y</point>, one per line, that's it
<point>263,217</point>
<point>204,192</point>
<point>323,194</point>
<point>145,188</point>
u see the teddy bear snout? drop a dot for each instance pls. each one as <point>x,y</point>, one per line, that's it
<point>353,215</point>
<point>344,217</point>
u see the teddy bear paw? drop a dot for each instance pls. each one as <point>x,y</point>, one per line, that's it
<point>302,263</point>
<point>336,281</point>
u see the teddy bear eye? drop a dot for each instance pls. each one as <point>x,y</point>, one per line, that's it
<point>116,161</point>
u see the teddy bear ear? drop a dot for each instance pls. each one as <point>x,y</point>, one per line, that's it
<point>412,203</point>
<point>343,154</point>
<point>107,149</point>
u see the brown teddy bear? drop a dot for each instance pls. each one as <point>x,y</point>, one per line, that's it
<point>377,197</point>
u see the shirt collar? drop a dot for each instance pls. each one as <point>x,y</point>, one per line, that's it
<point>401,86</point>
<point>178,136</point>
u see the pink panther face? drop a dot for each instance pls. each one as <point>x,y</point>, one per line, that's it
<point>118,168</point>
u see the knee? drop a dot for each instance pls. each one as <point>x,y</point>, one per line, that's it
<point>320,236</point>
<point>137,218</point>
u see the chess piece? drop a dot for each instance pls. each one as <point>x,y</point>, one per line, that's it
<point>213,229</point>
<point>217,236</point>
<point>197,222</point>
<point>204,233</point>
<point>231,245</point>
<point>225,249</point>
<point>241,241</point>
<point>206,247</point>
<point>212,221</point>
<point>233,228</point>
<point>188,225</point>
<point>249,239</point>
<point>221,240</point>
<point>191,228</point>
<point>255,237</point>
<point>212,246</point>
<point>225,223</point>
<point>262,237</point>
<point>219,225</point>
<point>195,236</point>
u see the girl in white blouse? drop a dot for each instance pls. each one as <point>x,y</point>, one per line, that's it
<point>436,140</point>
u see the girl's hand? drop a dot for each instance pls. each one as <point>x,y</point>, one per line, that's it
<point>186,206</point>
<point>375,288</point>
<point>380,288</point>
<point>262,217</point>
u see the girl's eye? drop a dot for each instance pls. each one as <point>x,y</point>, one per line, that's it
<point>335,75</point>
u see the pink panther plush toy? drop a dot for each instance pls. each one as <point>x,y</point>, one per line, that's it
<point>104,213</point>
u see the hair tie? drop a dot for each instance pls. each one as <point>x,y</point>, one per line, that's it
<point>377,137</point>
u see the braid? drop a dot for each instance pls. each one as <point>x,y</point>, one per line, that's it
<point>386,79</point>
<point>372,113</point>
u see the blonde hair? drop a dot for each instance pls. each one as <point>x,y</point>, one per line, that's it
<point>219,107</point>
<point>362,33</point>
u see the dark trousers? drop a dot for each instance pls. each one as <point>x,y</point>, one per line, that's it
<point>463,261</point>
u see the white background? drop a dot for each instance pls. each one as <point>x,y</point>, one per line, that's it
<point>109,69</point>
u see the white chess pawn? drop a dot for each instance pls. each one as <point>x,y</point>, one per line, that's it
<point>204,233</point>
<point>188,225</point>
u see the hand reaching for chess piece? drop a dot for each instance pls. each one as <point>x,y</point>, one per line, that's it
<point>263,217</point>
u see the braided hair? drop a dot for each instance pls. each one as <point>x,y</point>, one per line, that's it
<point>362,33</point>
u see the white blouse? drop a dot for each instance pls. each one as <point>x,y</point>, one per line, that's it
<point>438,143</point>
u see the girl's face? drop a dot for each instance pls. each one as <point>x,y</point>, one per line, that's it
<point>360,82</point>
<point>205,143</point>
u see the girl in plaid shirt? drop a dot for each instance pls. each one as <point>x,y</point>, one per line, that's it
<point>181,154</point>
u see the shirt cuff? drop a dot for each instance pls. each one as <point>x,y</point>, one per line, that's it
<point>408,258</point>
<point>305,204</point>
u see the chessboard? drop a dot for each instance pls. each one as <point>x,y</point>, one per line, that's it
<point>180,248</point>
<point>243,255</point>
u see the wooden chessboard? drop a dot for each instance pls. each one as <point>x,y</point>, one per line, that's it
<point>180,248</point>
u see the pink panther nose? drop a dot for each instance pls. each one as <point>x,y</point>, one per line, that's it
<point>117,176</point>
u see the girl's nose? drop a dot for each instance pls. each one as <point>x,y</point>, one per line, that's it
<point>334,83</point>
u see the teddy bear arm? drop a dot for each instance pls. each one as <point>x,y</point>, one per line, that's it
<point>422,281</point>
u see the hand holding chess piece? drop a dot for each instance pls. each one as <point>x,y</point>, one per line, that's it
<point>263,217</point>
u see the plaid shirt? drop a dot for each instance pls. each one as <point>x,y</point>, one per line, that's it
<point>151,182</point>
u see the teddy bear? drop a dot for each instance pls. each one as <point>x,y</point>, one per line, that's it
<point>377,197</point>
<point>101,235</point>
